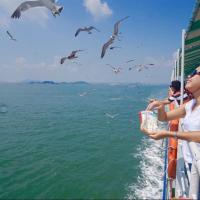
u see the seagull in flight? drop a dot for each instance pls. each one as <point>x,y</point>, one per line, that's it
<point>83,94</point>
<point>10,36</point>
<point>3,108</point>
<point>112,37</point>
<point>144,66</point>
<point>128,61</point>
<point>70,57</point>
<point>110,115</point>
<point>106,45</point>
<point>86,29</point>
<point>151,64</point>
<point>116,26</point>
<point>141,67</point>
<point>116,70</point>
<point>50,4</point>
<point>130,68</point>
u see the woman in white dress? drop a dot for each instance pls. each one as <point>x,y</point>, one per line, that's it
<point>191,122</point>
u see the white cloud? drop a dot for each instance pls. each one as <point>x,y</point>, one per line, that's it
<point>38,15</point>
<point>98,8</point>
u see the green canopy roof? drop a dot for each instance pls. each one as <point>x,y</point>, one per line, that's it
<point>192,41</point>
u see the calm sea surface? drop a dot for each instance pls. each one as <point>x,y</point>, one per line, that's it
<point>74,141</point>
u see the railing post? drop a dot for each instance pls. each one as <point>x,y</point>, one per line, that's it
<point>178,63</point>
<point>182,64</point>
<point>164,196</point>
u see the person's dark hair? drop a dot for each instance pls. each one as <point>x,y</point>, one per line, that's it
<point>176,85</point>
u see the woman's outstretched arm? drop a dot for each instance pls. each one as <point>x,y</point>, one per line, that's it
<point>193,136</point>
<point>171,115</point>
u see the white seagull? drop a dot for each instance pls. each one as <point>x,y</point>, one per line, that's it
<point>112,37</point>
<point>70,57</point>
<point>128,61</point>
<point>10,36</point>
<point>86,29</point>
<point>116,26</point>
<point>116,70</point>
<point>83,94</point>
<point>106,45</point>
<point>130,68</point>
<point>144,66</point>
<point>110,115</point>
<point>50,4</point>
<point>141,67</point>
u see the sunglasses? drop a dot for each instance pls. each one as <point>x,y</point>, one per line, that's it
<point>195,72</point>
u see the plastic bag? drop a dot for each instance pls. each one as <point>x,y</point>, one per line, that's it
<point>149,121</point>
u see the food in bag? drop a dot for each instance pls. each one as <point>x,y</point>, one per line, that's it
<point>149,121</point>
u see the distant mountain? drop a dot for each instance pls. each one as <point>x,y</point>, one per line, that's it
<point>53,82</point>
<point>39,82</point>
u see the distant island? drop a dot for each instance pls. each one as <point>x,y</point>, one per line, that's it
<point>53,82</point>
<point>43,82</point>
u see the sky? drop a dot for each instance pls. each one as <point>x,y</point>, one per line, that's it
<point>152,34</point>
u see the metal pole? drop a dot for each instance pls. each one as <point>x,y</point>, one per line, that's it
<point>182,64</point>
<point>165,191</point>
<point>172,76</point>
<point>178,63</point>
<point>175,67</point>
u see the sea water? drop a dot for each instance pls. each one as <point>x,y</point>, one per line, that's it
<point>58,144</point>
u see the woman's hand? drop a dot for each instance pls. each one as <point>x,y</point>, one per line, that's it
<point>145,131</point>
<point>154,104</point>
<point>156,135</point>
<point>152,100</point>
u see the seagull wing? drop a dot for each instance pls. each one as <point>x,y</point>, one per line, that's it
<point>62,60</point>
<point>78,31</point>
<point>105,46</point>
<point>116,26</point>
<point>73,53</point>
<point>115,115</point>
<point>108,115</point>
<point>130,61</point>
<point>92,27</point>
<point>9,34</point>
<point>25,6</point>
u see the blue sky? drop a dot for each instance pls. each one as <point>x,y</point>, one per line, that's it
<point>151,34</point>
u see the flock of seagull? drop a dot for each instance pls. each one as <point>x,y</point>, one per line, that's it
<point>56,10</point>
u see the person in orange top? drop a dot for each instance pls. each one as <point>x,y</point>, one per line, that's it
<point>174,95</point>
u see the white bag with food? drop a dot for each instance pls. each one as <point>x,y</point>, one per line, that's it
<point>149,120</point>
